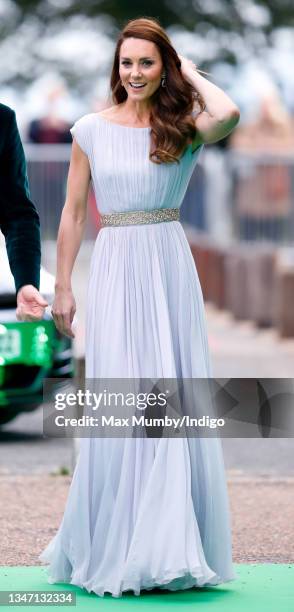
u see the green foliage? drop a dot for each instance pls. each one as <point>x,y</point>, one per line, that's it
<point>62,471</point>
<point>230,25</point>
<point>226,14</point>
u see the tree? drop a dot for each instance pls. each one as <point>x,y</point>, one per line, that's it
<point>232,30</point>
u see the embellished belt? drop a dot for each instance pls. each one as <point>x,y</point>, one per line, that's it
<point>139,217</point>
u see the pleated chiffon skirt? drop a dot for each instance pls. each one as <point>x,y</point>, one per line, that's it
<point>144,512</point>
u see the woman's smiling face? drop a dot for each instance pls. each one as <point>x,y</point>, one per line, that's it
<point>140,63</point>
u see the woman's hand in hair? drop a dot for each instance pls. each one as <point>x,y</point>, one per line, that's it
<point>187,66</point>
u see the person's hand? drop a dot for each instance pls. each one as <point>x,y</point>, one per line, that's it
<point>63,311</point>
<point>30,304</point>
<point>186,67</point>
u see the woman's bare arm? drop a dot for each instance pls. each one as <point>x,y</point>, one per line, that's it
<point>70,236</point>
<point>221,114</point>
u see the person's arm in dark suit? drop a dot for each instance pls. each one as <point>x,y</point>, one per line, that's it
<point>19,219</point>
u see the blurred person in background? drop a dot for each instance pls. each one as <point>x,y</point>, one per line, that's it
<point>142,511</point>
<point>19,220</point>
<point>263,189</point>
<point>51,127</point>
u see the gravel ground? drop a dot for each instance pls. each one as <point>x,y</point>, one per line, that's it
<point>262,512</point>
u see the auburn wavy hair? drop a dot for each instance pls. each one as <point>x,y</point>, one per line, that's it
<point>172,125</point>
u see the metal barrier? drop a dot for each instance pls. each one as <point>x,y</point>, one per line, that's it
<point>263,196</point>
<point>231,195</point>
<point>47,172</point>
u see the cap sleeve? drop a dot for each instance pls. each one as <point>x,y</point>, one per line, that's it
<point>197,149</point>
<point>81,131</point>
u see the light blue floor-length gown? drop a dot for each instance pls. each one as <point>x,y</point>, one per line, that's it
<point>142,512</point>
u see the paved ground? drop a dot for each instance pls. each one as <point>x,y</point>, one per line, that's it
<point>240,349</point>
<point>23,450</point>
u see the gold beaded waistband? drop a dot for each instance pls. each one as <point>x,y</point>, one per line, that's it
<point>139,217</point>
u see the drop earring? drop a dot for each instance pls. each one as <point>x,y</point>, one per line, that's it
<point>163,80</point>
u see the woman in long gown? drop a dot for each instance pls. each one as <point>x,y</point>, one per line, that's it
<point>142,512</point>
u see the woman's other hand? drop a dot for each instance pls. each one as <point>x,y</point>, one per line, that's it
<point>63,311</point>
